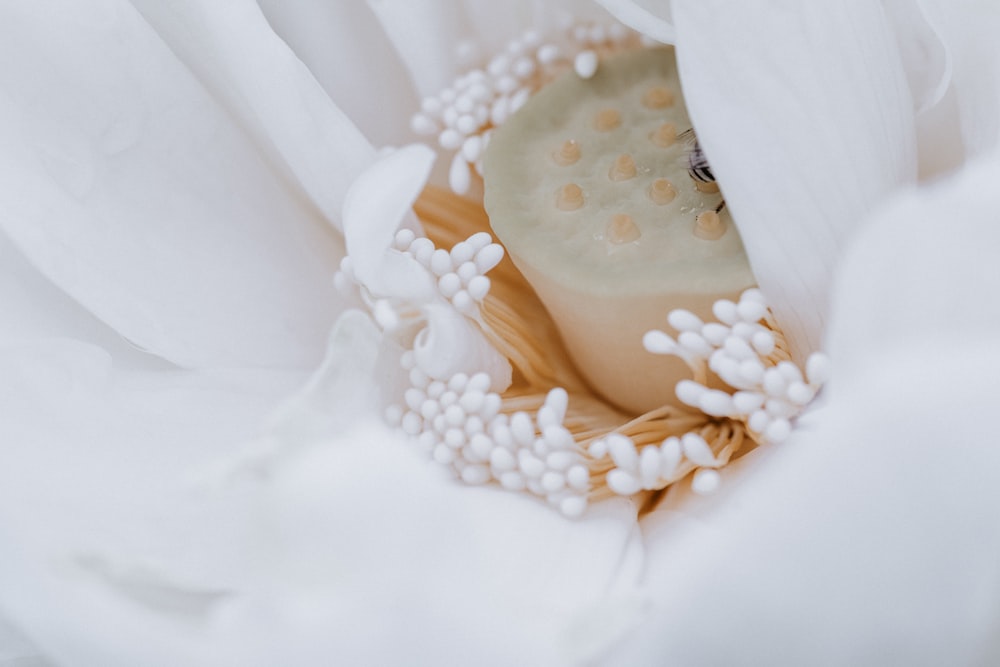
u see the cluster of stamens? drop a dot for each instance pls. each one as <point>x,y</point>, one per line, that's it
<point>654,467</point>
<point>462,116</point>
<point>459,423</point>
<point>739,349</point>
<point>460,272</point>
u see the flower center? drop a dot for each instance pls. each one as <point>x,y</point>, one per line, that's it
<point>612,218</point>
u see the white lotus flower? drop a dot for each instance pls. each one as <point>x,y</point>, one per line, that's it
<point>175,175</point>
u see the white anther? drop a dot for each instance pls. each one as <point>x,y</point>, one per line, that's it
<point>670,457</point>
<point>472,148</point>
<point>751,371</point>
<point>466,124</point>
<point>697,450</point>
<point>739,349</point>
<point>578,477</point>
<point>725,311</point>
<point>658,342</point>
<point>523,68</point>
<point>818,369</point>
<point>774,383</point>
<point>519,98</point>
<point>585,64</point>
<point>450,139</point>
<point>441,262</point>
<point>418,378</point>
<point>475,474</point>
<point>500,110</point>
<point>751,310</point>
<point>489,257</point>
<point>522,429</point>
<point>553,482</point>
<point>464,302</point>
<point>778,430</point>
<point>716,403</point>
<point>547,54</point>
<point>560,460</point>
<point>622,451</point>
<point>479,287</point>
<point>799,393</point>
<point>502,459</point>
<point>459,175</point>
<point>506,85</point>
<point>454,438</point>
<point>558,437</point>
<point>689,392</point>
<point>481,446</point>
<point>622,482</point>
<point>598,448</point>
<point>467,271</point>
<point>558,400</point>
<point>693,343</point>
<point>706,482</point>
<point>685,320</point>
<point>512,481</point>
<point>530,464</point>
<point>715,333</point>
<point>573,506</point>
<point>431,106</point>
<point>449,284</point>
<point>763,343</point>
<point>498,65</point>
<point>422,248</point>
<point>790,371</point>
<point>430,409</point>
<point>649,466</point>
<point>465,104</point>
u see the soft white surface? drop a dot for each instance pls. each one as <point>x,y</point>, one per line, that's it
<point>151,515</point>
<point>869,537</point>
<point>126,183</point>
<point>807,120</point>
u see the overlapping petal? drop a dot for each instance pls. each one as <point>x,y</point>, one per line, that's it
<point>132,189</point>
<point>807,120</point>
<point>968,29</point>
<point>867,537</point>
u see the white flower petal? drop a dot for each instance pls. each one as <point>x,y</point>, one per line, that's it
<point>346,50</point>
<point>969,29</point>
<point>129,187</point>
<point>927,62</point>
<point>16,650</point>
<point>370,542</point>
<point>98,486</point>
<point>649,17</point>
<point>879,515</point>
<point>426,34</point>
<point>269,91</point>
<point>942,281</point>
<point>451,344</point>
<point>806,118</point>
<point>375,206</point>
<point>34,308</point>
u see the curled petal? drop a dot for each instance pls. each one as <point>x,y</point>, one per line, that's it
<point>375,205</point>
<point>452,344</point>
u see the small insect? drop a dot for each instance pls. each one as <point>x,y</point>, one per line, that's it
<point>697,165</point>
